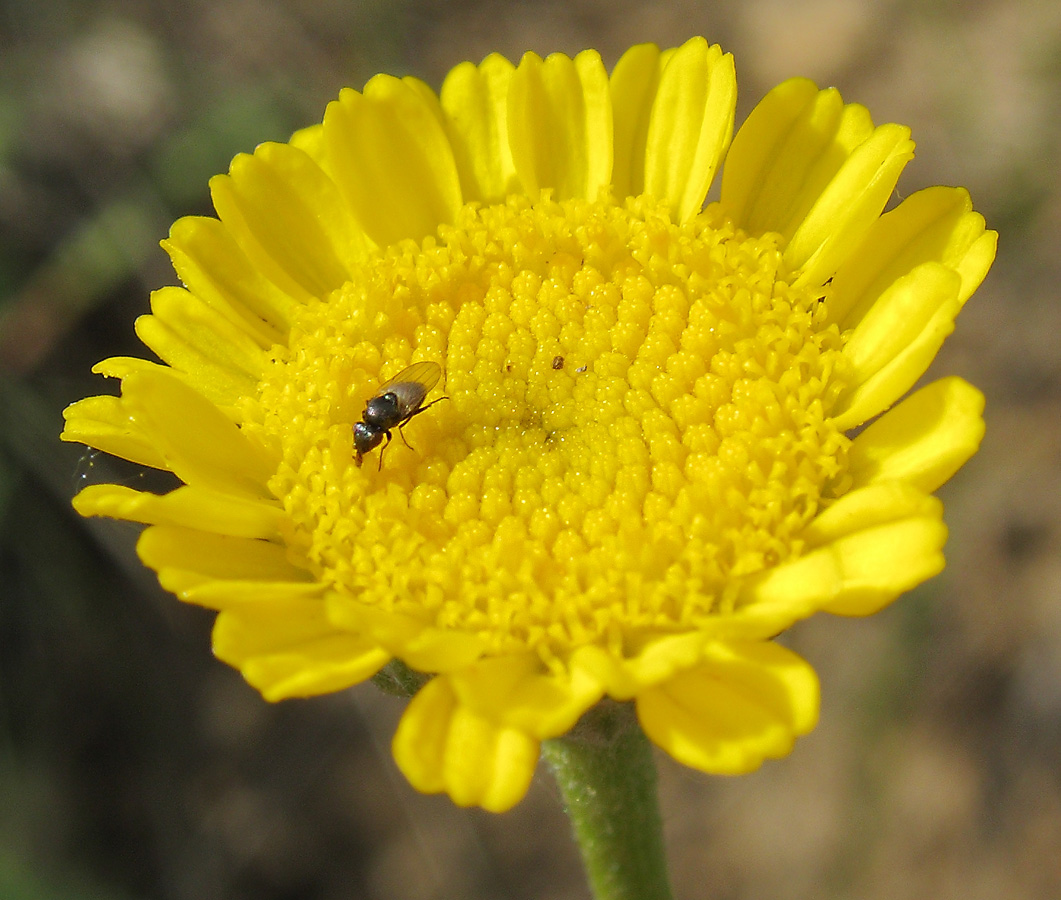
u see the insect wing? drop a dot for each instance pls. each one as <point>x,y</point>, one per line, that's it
<point>411,385</point>
<point>425,374</point>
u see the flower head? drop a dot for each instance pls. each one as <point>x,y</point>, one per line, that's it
<point>649,460</point>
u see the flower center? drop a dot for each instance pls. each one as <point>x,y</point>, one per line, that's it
<point>636,418</point>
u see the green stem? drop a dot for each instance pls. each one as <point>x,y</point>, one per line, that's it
<point>608,781</point>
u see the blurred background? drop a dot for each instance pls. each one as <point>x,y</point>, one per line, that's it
<point>133,765</point>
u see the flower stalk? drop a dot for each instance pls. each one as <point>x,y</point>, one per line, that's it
<point>607,777</point>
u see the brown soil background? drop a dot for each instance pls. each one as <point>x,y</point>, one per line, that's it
<point>133,765</point>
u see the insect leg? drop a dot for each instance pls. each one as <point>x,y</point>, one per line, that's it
<point>405,421</point>
<point>379,468</point>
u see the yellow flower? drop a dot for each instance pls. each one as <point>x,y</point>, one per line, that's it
<point>650,460</point>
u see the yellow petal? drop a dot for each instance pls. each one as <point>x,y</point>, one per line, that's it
<point>924,440</point>
<point>190,507</point>
<point>899,316</point>
<point>690,127</point>
<point>213,267</point>
<point>441,745</point>
<point>390,156</point>
<point>214,454</point>
<point>746,702</point>
<point>211,334</point>
<point>560,125</point>
<point>656,661</point>
<point>914,547</point>
<point>429,99</point>
<point>475,99</point>
<point>868,507</point>
<point>288,649</point>
<point>515,691</point>
<point>896,341</point>
<point>163,547</point>
<point>416,642</point>
<point>218,359</point>
<point>934,225</point>
<point>813,170</point>
<point>104,423</point>
<point>218,595</point>
<point>122,367</point>
<point>634,82</point>
<point>854,575</point>
<point>849,205</point>
<point>310,140</point>
<point>786,152</point>
<point>289,218</point>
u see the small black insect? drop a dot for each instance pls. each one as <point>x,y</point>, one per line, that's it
<point>394,404</point>
<point>558,363</point>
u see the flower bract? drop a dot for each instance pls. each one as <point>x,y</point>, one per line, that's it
<point>653,454</point>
